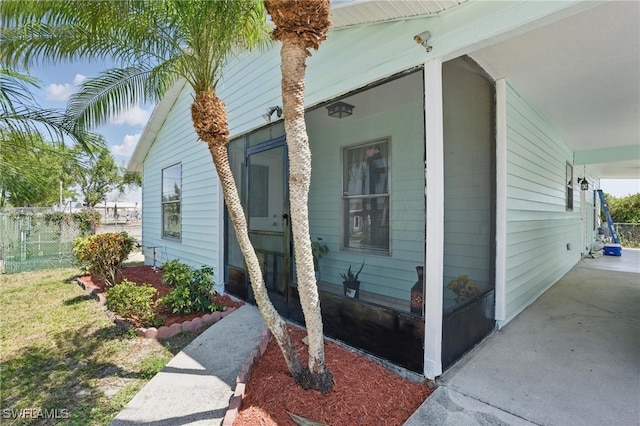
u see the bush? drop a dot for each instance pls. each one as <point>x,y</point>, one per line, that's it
<point>193,289</point>
<point>78,251</point>
<point>176,272</point>
<point>104,254</point>
<point>87,221</point>
<point>133,302</point>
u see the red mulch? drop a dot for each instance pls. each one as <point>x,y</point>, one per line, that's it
<point>364,393</point>
<point>146,274</point>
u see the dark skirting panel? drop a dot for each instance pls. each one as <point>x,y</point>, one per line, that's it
<point>395,336</point>
<point>465,327</point>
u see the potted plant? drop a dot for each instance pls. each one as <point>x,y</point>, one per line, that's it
<point>319,249</point>
<point>350,282</point>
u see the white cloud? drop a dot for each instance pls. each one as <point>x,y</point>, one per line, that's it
<point>127,146</point>
<point>61,92</point>
<point>136,116</point>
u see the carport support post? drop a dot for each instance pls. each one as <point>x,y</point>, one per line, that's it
<point>434,257</point>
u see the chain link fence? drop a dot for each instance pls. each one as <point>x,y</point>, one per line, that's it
<point>31,240</point>
<point>629,234</point>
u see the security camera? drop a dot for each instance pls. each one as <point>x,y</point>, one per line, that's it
<point>423,39</point>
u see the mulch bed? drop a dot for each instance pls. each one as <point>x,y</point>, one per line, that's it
<point>364,392</point>
<point>146,274</point>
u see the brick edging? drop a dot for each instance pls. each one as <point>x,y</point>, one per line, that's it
<point>162,332</point>
<point>243,378</point>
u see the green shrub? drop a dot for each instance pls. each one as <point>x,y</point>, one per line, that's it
<point>133,302</point>
<point>104,254</point>
<point>192,292</point>
<point>87,221</point>
<point>175,272</point>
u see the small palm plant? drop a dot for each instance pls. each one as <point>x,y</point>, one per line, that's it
<point>350,282</point>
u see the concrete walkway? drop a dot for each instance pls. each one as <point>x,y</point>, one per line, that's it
<point>195,386</point>
<point>571,358</point>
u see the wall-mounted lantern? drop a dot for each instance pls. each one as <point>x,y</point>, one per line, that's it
<point>584,184</point>
<point>340,109</point>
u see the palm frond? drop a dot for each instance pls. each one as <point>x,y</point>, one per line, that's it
<point>15,90</point>
<point>115,91</point>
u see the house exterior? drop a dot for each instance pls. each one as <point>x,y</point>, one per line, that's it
<point>446,156</point>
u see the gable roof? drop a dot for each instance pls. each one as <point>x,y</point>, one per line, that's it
<point>153,126</point>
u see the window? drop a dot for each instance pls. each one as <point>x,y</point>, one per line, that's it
<point>365,197</point>
<point>171,196</point>
<point>569,184</point>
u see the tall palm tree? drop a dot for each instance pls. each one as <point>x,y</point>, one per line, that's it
<point>158,43</point>
<point>300,26</point>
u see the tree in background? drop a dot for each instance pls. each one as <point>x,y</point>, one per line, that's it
<point>33,171</point>
<point>29,164</point>
<point>625,209</point>
<point>625,213</point>
<point>97,175</point>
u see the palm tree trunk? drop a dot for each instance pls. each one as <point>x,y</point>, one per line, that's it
<point>210,122</point>
<point>293,56</point>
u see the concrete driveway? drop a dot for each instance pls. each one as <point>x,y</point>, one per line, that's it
<point>571,358</point>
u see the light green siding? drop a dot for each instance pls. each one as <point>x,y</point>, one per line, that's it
<point>201,234</point>
<point>400,119</point>
<point>543,239</point>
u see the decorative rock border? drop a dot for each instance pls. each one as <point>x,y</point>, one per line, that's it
<point>163,332</point>
<point>243,378</point>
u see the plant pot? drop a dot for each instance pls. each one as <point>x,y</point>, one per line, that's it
<point>351,289</point>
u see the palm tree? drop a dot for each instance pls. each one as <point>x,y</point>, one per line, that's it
<point>158,44</point>
<point>23,127</point>
<point>300,26</point>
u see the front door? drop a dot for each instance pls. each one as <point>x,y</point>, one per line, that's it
<point>267,207</point>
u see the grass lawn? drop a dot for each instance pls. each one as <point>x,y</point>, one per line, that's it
<point>62,357</point>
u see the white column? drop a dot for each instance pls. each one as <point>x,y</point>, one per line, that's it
<point>434,237</point>
<point>501,200</point>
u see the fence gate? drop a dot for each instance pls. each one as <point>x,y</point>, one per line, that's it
<point>30,242</point>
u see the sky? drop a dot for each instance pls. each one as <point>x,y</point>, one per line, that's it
<point>123,132</point>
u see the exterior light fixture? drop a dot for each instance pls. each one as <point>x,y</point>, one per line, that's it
<point>584,184</point>
<point>340,109</point>
<point>270,112</point>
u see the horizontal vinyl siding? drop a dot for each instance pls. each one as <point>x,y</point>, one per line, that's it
<point>399,118</point>
<point>349,59</point>
<point>201,237</point>
<point>538,225</point>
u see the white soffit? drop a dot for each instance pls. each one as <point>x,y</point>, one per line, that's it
<point>583,74</point>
